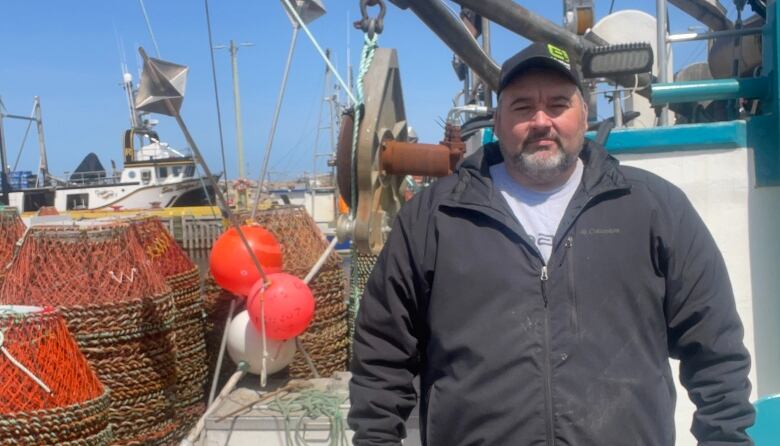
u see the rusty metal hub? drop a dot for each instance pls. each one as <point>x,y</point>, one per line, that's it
<point>405,158</point>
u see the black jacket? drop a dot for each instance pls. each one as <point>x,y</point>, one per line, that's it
<point>514,352</point>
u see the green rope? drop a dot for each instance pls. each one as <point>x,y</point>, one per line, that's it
<point>311,404</point>
<point>366,57</point>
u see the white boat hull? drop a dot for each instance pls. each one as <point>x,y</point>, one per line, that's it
<point>119,196</point>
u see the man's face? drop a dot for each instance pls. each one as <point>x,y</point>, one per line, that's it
<point>540,123</point>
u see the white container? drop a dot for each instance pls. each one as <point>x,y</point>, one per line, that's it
<point>261,426</point>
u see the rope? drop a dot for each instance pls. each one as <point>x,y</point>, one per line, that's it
<point>206,190</point>
<point>216,95</point>
<point>149,27</point>
<point>366,57</point>
<point>311,404</point>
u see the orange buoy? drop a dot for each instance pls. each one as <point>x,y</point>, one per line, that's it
<point>232,265</point>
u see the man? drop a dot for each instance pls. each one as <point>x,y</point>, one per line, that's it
<point>539,292</point>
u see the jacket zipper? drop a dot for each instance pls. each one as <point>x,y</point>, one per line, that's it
<point>549,421</point>
<point>569,245</point>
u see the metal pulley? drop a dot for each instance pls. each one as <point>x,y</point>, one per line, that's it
<point>383,156</point>
<point>379,196</point>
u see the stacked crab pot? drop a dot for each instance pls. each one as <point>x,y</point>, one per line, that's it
<point>118,308</point>
<point>11,229</point>
<point>188,327</point>
<point>326,340</point>
<point>49,395</point>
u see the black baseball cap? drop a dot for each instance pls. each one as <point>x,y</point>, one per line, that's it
<point>538,54</point>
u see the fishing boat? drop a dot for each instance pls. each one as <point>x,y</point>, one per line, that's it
<point>153,175</point>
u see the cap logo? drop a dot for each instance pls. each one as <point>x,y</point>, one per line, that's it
<point>558,54</point>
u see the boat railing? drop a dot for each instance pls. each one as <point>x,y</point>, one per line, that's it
<point>99,177</point>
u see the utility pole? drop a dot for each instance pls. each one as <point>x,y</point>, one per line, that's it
<point>233,48</point>
<point>43,167</point>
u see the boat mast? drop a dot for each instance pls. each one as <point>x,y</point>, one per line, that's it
<point>43,166</point>
<point>127,84</point>
<point>4,186</point>
<point>328,98</point>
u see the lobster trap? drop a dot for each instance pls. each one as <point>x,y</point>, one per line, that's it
<point>11,229</point>
<point>183,277</point>
<point>49,394</point>
<point>118,308</point>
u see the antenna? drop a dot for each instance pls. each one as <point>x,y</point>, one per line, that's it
<point>127,80</point>
<point>149,27</point>
<point>120,50</point>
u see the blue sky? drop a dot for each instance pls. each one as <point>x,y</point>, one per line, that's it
<point>69,53</point>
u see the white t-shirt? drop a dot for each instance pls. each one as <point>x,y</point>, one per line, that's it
<point>539,213</point>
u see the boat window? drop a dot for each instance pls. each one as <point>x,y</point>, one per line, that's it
<point>76,201</point>
<point>131,174</point>
<point>190,171</point>
<point>162,172</point>
<point>146,176</point>
<point>176,171</point>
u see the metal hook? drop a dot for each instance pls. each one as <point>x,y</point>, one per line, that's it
<point>371,25</point>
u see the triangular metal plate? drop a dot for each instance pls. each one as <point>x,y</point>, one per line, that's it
<point>161,80</point>
<point>308,10</point>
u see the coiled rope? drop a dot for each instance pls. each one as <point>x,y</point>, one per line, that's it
<point>311,404</point>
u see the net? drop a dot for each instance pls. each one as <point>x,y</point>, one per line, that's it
<point>82,264</point>
<point>48,392</point>
<point>216,302</point>
<point>188,328</point>
<point>11,229</point>
<point>119,310</point>
<point>360,268</point>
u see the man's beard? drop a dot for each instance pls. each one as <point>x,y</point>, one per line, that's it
<point>541,167</point>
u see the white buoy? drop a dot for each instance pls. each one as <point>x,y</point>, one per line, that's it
<point>245,343</point>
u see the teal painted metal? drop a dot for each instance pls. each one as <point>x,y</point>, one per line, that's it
<point>718,135</point>
<point>488,136</point>
<point>766,431</point>
<point>764,130</point>
<point>709,90</point>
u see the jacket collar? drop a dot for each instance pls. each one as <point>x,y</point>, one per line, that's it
<point>475,186</point>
